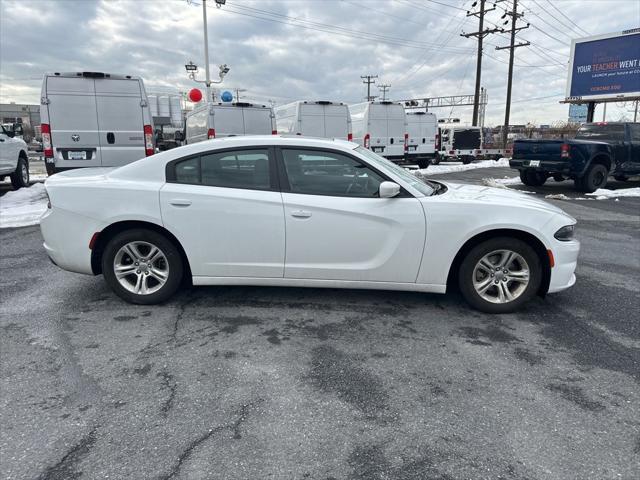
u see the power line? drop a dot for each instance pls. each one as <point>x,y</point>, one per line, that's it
<point>384,87</point>
<point>369,80</point>
<point>569,19</point>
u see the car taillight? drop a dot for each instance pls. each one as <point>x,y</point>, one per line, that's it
<point>349,137</point>
<point>211,133</point>
<point>367,140</point>
<point>148,140</point>
<point>406,142</point>
<point>274,132</point>
<point>46,140</point>
<point>565,151</point>
<point>452,152</point>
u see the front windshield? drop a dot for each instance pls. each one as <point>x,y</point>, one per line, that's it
<point>421,185</point>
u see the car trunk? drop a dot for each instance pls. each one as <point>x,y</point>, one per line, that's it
<point>537,149</point>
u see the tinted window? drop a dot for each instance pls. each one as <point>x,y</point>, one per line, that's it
<point>327,173</point>
<point>602,133</point>
<point>635,132</point>
<point>238,169</point>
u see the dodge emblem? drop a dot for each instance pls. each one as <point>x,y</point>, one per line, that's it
<point>75,137</point>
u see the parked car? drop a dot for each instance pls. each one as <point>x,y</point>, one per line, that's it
<point>216,212</point>
<point>217,120</point>
<point>598,151</point>
<point>93,119</point>
<point>422,128</point>
<point>315,119</point>
<point>14,161</point>
<point>382,128</point>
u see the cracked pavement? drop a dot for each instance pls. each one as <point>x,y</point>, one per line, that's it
<point>286,383</point>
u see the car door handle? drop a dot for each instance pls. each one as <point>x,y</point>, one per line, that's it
<point>180,202</point>
<point>300,214</point>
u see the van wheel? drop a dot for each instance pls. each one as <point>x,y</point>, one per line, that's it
<point>593,179</point>
<point>423,163</point>
<point>533,178</point>
<point>467,160</point>
<point>20,178</point>
<point>499,275</point>
<point>142,266</point>
<point>436,160</point>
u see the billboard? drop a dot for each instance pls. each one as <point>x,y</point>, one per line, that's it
<point>605,67</point>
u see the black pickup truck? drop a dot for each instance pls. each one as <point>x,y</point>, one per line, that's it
<point>598,151</point>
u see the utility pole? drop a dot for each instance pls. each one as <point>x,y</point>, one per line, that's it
<point>480,34</point>
<point>206,50</point>
<point>384,88</point>
<point>369,79</point>
<point>512,47</point>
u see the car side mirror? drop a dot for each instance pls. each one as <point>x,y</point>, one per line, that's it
<point>389,189</point>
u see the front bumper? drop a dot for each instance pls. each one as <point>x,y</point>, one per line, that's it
<point>563,272</point>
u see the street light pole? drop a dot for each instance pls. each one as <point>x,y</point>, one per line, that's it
<point>206,51</point>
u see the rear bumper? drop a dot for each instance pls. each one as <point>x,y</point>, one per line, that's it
<point>550,166</point>
<point>566,259</point>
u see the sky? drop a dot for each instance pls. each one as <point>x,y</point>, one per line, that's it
<point>289,50</point>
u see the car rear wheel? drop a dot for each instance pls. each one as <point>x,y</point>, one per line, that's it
<point>533,178</point>
<point>20,178</point>
<point>142,266</point>
<point>499,275</point>
<point>593,179</point>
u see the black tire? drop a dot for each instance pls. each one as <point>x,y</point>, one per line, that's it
<point>20,178</point>
<point>51,169</point>
<point>532,177</point>
<point>466,272</point>
<point>173,259</point>
<point>594,178</point>
<point>423,162</point>
<point>467,160</point>
<point>436,160</point>
<point>621,178</point>
<point>558,178</point>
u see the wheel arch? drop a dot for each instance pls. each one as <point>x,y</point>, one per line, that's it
<point>532,240</point>
<point>601,158</point>
<point>112,230</point>
<point>23,154</point>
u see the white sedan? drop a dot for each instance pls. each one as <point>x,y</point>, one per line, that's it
<point>278,211</point>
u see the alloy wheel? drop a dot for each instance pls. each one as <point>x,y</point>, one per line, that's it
<point>141,267</point>
<point>501,276</point>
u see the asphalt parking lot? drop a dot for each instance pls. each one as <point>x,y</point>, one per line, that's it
<point>256,383</point>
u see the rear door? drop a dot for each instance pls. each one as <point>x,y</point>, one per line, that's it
<point>120,121</point>
<point>74,122</point>
<point>336,121</point>
<point>257,121</point>
<point>228,121</point>
<point>378,128</point>
<point>312,120</point>
<point>396,128</point>
<point>226,210</point>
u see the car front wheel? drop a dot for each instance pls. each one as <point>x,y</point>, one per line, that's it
<point>499,275</point>
<point>142,266</point>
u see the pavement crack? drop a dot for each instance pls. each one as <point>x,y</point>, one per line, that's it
<point>233,426</point>
<point>169,384</point>
<point>66,468</point>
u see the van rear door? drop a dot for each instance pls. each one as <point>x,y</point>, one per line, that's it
<point>73,121</point>
<point>120,120</point>
<point>336,121</point>
<point>312,120</point>
<point>257,121</point>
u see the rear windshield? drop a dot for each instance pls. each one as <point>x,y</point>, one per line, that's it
<point>601,133</point>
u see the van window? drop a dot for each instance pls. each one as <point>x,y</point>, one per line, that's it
<point>248,169</point>
<point>328,173</point>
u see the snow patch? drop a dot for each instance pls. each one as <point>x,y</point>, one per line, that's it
<point>23,207</point>
<point>604,194</point>
<point>459,167</point>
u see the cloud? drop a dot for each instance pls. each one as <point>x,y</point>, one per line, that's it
<point>289,50</point>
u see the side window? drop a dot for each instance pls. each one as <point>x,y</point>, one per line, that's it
<point>248,169</point>
<point>327,173</point>
<point>635,132</point>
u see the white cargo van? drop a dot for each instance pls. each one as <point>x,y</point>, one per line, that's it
<point>315,119</point>
<point>94,119</point>
<point>227,120</point>
<point>422,128</point>
<point>381,127</point>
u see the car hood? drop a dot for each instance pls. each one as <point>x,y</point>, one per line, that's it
<point>496,196</point>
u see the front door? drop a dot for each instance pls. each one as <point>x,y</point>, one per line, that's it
<point>225,209</point>
<point>337,227</point>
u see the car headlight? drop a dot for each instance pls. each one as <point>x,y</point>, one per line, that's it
<point>565,234</point>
